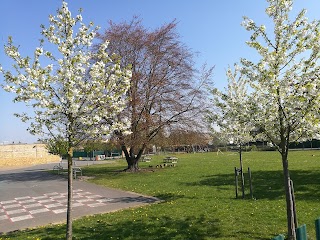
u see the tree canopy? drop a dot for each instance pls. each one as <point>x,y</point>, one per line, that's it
<point>281,98</point>
<point>72,97</point>
<point>163,91</point>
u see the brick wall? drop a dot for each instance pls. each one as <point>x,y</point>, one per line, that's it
<point>19,155</point>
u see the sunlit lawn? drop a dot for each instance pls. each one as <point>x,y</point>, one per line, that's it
<point>199,199</point>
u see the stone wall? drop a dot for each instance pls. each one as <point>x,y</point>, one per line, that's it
<point>19,155</point>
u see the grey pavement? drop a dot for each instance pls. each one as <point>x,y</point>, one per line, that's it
<point>33,197</point>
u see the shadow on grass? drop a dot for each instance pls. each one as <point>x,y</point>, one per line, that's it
<point>115,172</point>
<point>154,228</point>
<point>269,184</point>
<point>139,199</point>
<point>98,170</point>
<point>169,196</point>
<point>249,235</point>
<point>103,172</point>
<point>161,228</point>
<point>43,233</point>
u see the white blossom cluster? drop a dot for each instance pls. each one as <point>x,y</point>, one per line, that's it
<point>80,92</point>
<point>229,114</point>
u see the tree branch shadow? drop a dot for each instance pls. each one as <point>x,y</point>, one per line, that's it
<point>269,184</point>
<point>160,228</point>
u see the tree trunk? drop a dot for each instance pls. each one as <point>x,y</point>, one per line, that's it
<point>69,203</point>
<point>132,159</point>
<point>133,165</point>
<point>241,169</point>
<point>289,200</point>
<point>285,131</point>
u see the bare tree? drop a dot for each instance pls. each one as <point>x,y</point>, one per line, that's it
<point>164,90</point>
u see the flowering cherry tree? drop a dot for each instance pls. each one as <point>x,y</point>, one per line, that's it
<point>231,127</point>
<point>282,97</point>
<point>72,97</point>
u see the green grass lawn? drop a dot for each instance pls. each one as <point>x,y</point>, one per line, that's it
<point>199,199</point>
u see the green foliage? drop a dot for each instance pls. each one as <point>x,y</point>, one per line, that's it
<point>92,145</point>
<point>57,146</point>
<point>199,199</point>
<point>254,148</point>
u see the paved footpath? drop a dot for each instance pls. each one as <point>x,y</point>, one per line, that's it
<point>32,197</point>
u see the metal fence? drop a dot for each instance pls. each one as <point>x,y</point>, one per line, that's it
<point>301,232</point>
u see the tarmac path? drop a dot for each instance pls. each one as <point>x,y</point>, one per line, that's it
<point>32,197</point>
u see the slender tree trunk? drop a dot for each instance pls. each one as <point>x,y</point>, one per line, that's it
<point>69,203</point>
<point>133,165</point>
<point>241,169</point>
<point>289,199</point>
<point>284,150</point>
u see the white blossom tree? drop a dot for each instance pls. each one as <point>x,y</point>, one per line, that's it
<point>282,98</point>
<point>231,127</point>
<point>71,96</point>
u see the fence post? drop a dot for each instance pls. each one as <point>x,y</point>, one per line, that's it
<point>250,182</point>
<point>318,229</point>
<point>279,237</point>
<point>301,232</point>
<point>294,204</point>
<point>236,180</point>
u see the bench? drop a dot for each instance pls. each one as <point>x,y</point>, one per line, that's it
<point>58,168</point>
<point>75,170</point>
<point>170,160</point>
<point>145,159</point>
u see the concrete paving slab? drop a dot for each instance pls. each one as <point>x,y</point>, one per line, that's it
<point>32,197</point>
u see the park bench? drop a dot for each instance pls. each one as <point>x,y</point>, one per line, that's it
<point>75,170</point>
<point>115,154</point>
<point>145,159</point>
<point>170,160</point>
<point>58,168</point>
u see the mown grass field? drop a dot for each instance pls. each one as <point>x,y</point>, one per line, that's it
<point>199,199</point>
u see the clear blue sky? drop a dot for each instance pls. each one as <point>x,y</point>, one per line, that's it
<point>210,27</point>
